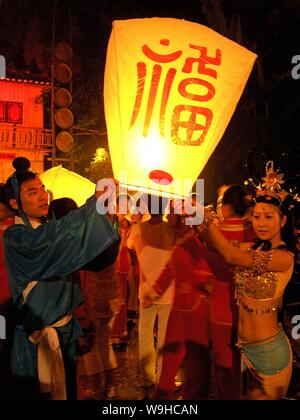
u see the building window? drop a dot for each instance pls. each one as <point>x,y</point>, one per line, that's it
<point>2,111</point>
<point>11,112</point>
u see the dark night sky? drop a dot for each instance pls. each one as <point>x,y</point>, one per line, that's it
<point>266,122</point>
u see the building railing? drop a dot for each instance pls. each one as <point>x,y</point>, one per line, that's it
<point>16,137</point>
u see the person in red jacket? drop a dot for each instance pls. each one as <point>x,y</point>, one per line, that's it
<point>187,337</point>
<point>232,207</point>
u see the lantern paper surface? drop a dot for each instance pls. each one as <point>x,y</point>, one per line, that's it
<point>171,87</point>
<point>64,183</point>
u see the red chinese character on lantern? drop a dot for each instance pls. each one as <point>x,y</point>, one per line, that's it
<point>202,61</point>
<point>155,79</point>
<point>199,118</point>
<point>185,86</point>
<point>191,124</point>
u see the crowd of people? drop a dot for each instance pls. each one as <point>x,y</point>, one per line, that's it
<point>215,301</point>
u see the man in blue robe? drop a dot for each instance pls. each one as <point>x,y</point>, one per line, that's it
<point>40,260</point>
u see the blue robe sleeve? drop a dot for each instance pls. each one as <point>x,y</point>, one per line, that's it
<point>57,248</point>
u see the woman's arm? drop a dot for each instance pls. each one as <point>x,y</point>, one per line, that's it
<point>279,260</point>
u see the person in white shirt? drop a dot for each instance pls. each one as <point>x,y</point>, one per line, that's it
<point>153,242</point>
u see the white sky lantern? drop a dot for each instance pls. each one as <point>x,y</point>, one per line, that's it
<point>171,87</point>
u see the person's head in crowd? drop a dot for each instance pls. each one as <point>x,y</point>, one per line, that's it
<point>5,212</point>
<point>61,206</point>
<point>273,216</point>
<point>233,201</point>
<point>124,223</point>
<point>24,193</point>
<point>177,216</point>
<point>154,205</point>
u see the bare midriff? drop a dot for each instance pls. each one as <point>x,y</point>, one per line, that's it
<point>256,327</point>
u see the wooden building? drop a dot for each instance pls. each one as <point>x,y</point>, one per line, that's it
<point>22,131</point>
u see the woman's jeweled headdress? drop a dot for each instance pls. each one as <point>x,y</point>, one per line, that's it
<point>270,189</point>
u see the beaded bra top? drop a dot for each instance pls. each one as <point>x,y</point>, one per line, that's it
<point>258,290</point>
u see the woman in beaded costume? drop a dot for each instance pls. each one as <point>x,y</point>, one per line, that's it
<point>263,269</point>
